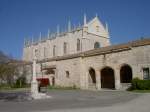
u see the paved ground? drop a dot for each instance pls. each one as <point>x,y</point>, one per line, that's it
<point>76,100</point>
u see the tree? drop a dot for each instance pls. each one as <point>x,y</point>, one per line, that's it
<point>8,73</point>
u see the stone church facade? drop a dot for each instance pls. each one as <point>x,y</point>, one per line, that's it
<point>83,57</point>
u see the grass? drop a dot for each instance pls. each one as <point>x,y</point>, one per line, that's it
<point>5,87</point>
<point>61,88</point>
<point>8,87</point>
<point>141,91</point>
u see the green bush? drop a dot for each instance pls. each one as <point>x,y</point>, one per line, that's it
<point>138,84</point>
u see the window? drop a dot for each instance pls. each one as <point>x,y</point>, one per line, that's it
<point>96,45</point>
<point>97,28</point>
<point>78,44</point>
<point>67,74</point>
<point>54,50</point>
<point>36,53</point>
<point>65,48</point>
<point>44,52</point>
<point>146,74</point>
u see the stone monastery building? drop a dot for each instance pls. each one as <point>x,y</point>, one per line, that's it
<point>84,57</point>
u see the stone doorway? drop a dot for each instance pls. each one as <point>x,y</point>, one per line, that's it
<point>50,73</point>
<point>126,74</point>
<point>107,78</point>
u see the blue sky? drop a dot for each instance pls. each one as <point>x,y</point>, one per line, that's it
<point>127,19</point>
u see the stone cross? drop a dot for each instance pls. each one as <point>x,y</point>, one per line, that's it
<point>35,94</point>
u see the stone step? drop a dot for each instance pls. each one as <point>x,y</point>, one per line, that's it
<point>125,86</point>
<point>92,87</point>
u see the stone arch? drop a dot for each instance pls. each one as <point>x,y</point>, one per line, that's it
<point>125,73</point>
<point>92,76</point>
<point>107,78</point>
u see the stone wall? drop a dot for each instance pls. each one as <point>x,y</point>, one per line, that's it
<point>136,58</point>
<point>73,67</point>
<point>73,70</point>
<point>88,34</point>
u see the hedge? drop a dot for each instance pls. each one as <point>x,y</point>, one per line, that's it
<point>138,84</point>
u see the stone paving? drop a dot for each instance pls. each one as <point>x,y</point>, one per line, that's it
<point>71,100</point>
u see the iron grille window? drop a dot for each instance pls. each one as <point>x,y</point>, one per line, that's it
<point>146,74</point>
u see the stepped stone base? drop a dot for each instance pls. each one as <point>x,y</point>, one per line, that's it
<point>35,93</point>
<point>40,96</point>
<point>92,87</point>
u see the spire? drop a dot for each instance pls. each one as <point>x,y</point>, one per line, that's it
<point>32,40</point>
<point>40,35</point>
<point>84,19</point>
<point>27,41</point>
<point>106,27</point>
<point>40,38</point>
<point>48,35</point>
<point>24,42</point>
<point>74,27</point>
<point>79,25</point>
<point>96,15</point>
<point>58,30</point>
<point>69,26</point>
<point>107,30</point>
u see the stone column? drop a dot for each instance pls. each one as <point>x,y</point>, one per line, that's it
<point>98,79</point>
<point>34,71</point>
<point>87,79</point>
<point>83,75</point>
<point>34,83</point>
<point>117,79</point>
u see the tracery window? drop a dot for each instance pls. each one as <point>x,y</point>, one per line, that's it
<point>96,45</point>
<point>78,45</point>
<point>65,48</point>
<point>97,28</point>
<point>54,50</point>
<point>44,52</point>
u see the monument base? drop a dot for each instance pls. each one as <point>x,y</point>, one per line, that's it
<point>40,96</point>
<point>35,93</point>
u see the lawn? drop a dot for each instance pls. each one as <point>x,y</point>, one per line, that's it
<point>62,88</point>
<point>141,91</point>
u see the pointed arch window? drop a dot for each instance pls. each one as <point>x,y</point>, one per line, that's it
<point>65,48</point>
<point>78,45</point>
<point>54,50</point>
<point>44,52</point>
<point>97,28</point>
<point>96,45</point>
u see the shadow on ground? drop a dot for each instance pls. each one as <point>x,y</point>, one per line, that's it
<point>15,96</point>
